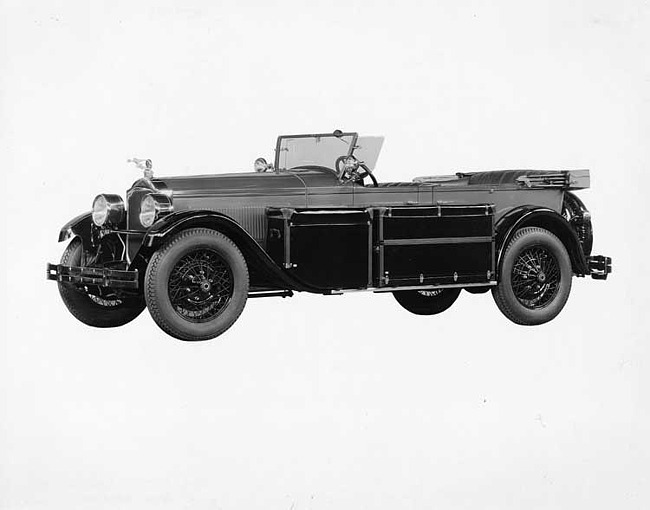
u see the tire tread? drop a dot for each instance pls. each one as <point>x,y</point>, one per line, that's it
<point>84,309</point>
<point>498,292</point>
<point>150,282</point>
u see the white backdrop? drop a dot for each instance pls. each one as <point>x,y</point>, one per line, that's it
<point>315,402</point>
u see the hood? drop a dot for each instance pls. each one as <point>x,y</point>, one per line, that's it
<point>241,183</point>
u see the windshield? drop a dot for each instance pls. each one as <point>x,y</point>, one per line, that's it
<point>367,150</point>
<point>312,150</point>
<point>322,150</point>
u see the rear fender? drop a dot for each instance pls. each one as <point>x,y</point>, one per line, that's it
<point>544,218</point>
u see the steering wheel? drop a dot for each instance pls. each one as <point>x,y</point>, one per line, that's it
<point>367,173</point>
<point>346,173</point>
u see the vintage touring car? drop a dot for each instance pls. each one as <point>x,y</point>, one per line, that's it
<point>193,249</point>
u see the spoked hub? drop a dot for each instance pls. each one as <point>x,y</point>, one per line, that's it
<point>427,302</point>
<point>535,277</point>
<point>430,293</point>
<point>200,285</point>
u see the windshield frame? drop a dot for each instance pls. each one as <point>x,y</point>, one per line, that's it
<point>353,146</point>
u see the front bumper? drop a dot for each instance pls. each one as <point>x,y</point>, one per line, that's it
<point>102,277</point>
<point>599,266</point>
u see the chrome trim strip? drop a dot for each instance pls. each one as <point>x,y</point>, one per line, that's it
<point>493,252</point>
<point>416,287</point>
<point>380,243</point>
<point>287,241</point>
<point>370,213</point>
<point>308,225</point>
<point>438,240</point>
<point>226,193</point>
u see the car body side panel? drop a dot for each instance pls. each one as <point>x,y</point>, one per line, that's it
<point>435,245</point>
<point>504,199</point>
<point>330,196</point>
<point>388,194</point>
<point>246,199</point>
<point>263,270</point>
<point>329,249</point>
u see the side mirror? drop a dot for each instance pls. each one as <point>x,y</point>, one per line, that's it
<point>262,166</point>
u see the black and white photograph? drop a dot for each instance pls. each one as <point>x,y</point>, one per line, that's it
<point>325,255</point>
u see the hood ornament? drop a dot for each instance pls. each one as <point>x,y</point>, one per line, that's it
<point>143,164</point>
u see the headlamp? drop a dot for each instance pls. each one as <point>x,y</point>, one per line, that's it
<point>153,207</point>
<point>108,210</point>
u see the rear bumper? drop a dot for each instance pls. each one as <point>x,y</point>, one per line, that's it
<point>101,277</point>
<point>599,266</point>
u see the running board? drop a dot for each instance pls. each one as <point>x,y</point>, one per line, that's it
<point>415,287</point>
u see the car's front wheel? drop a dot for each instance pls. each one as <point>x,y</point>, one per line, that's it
<point>427,302</point>
<point>535,277</point>
<point>100,309</point>
<point>196,285</point>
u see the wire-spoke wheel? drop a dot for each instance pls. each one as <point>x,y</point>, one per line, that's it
<point>535,278</point>
<point>200,285</point>
<point>427,302</point>
<point>196,285</point>
<point>99,311</point>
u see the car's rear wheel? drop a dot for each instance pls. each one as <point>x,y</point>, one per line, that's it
<point>196,285</point>
<point>427,302</point>
<point>535,279</point>
<point>100,309</point>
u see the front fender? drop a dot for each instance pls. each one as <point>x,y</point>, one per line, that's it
<point>81,226</point>
<point>529,216</point>
<point>175,222</point>
<point>256,257</point>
